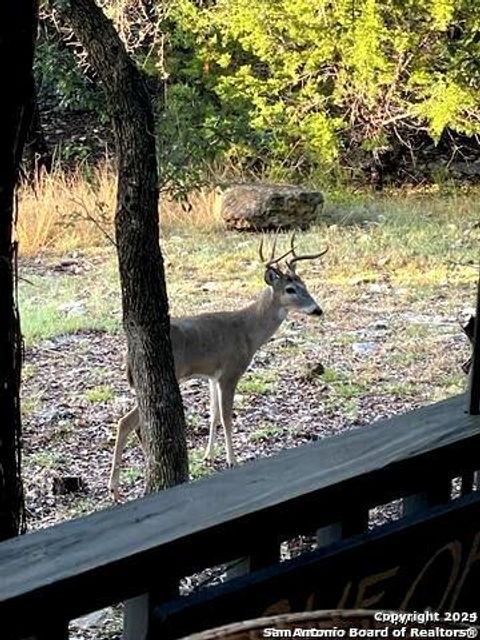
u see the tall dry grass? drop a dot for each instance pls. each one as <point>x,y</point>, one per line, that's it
<point>66,211</point>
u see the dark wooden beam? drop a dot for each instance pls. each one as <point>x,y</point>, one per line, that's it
<point>475,369</point>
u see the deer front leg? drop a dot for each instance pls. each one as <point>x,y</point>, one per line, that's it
<point>214,420</point>
<point>226,393</point>
<point>125,426</point>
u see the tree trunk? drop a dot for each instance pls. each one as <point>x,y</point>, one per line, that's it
<point>144,298</point>
<point>37,157</point>
<point>18,21</point>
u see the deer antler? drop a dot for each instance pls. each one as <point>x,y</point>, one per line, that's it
<point>291,263</point>
<point>272,259</point>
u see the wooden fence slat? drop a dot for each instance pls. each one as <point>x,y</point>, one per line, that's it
<point>355,522</point>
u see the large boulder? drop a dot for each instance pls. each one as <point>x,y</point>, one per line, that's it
<point>262,207</point>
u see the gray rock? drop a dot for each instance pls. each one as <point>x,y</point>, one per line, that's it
<point>364,348</point>
<point>73,308</point>
<point>261,207</point>
<point>466,168</point>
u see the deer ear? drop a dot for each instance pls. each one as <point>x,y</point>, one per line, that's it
<point>271,275</point>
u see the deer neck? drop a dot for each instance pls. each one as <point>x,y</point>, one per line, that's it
<point>265,317</point>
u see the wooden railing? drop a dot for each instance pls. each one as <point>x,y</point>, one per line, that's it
<point>137,552</point>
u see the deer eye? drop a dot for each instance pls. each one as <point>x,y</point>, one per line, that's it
<point>290,290</point>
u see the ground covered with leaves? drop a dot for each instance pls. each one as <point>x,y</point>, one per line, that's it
<point>367,359</point>
<point>389,341</point>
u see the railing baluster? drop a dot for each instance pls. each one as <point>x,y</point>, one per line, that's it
<point>474,404</point>
<point>438,491</point>
<point>329,534</point>
<point>137,614</point>
<point>355,522</point>
<point>136,617</point>
<point>415,503</point>
<point>266,552</point>
<point>55,629</point>
<point>470,482</point>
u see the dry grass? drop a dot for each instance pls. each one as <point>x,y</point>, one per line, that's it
<point>414,241</point>
<point>58,213</point>
<point>64,211</point>
<point>201,212</point>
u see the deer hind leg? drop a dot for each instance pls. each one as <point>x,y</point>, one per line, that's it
<point>138,433</point>
<point>129,422</point>
<point>215,420</point>
<point>226,393</point>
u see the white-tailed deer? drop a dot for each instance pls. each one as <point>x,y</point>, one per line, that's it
<point>220,346</point>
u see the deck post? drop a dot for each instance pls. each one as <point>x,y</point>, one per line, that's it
<point>137,613</point>
<point>56,629</point>
<point>329,534</point>
<point>470,479</point>
<point>136,617</point>
<point>437,491</point>
<point>475,369</point>
<point>265,553</point>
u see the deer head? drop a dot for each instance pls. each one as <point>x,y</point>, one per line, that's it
<point>288,288</point>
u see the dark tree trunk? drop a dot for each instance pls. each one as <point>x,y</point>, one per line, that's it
<point>37,156</point>
<point>18,21</point>
<point>145,305</point>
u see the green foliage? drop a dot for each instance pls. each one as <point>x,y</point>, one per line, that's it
<point>59,78</point>
<point>198,468</point>
<point>100,393</point>
<point>266,432</point>
<point>292,88</point>
<point>258,383</point>
<point>297,85</point>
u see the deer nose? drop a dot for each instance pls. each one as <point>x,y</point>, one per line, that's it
<point>316,312</point>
